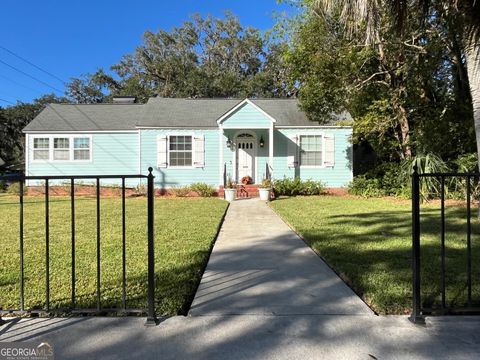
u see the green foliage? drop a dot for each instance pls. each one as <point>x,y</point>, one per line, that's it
<point>203,190</point>
<point>296,186</point>
<point>466,163</point>
<point>204,57</point>
<point>12,120</point>
<point>3,186</point>
<point>365,187</point>
<point>14,189</point>
<point>230,184</point>
<point>407,92</point>
<point>426,163</point>
<point>266,184</point>
<point>181,191</point>
<point>458,185</point>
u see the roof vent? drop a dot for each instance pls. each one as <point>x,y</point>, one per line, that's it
<point>124,99</point>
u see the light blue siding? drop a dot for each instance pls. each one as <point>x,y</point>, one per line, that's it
<point>172,177</point>
<point>118,153</point>
<point>246,117</point>
<point>338,176</point>
<point>112,154</point>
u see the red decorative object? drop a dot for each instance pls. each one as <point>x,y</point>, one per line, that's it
<point>246,180</point>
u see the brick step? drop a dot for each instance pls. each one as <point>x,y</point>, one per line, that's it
<point>243,191</point>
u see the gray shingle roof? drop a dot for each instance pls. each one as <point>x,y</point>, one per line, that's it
<point>69,117</point>
<point>158,112</point>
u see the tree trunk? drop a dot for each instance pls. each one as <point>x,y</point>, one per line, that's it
<point>472,56</point>
<point>403,128</point>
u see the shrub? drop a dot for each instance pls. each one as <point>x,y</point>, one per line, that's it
<point>141,190</point>
<point>3,186</point>
<point>458,185</point>
<point>426,163</point>
<point>266,184</point>
<point>203,190</point>
<point>362,186</point>
<point>295,186</point>
<point>181,191</point>
<point>14,189</point>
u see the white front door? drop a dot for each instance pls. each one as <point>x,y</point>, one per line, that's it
<point>245,158</point>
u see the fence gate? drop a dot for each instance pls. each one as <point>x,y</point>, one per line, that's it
<point>461,256</point>
<point>47,180</point>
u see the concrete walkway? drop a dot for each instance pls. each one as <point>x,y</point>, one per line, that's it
<point>259,266</point>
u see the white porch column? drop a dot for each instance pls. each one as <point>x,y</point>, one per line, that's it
<point>270,147</point>
<point>220,152</point>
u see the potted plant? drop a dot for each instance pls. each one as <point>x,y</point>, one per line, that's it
<point>230,190</point>
<point>264,189</point>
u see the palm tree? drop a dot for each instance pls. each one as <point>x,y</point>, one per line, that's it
<point>365,14</point>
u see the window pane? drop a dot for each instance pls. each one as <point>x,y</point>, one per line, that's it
<point>81,143</point>
<point>188,159</point>
<point>40,154</point>
<point>311,158</point>
<point>81,154</point>
<point>40,143</point>
<point>61,143</point>
<point>61,155</point>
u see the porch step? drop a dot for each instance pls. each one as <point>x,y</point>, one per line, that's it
<point>243,191</point>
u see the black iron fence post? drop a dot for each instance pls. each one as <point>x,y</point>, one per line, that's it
<point>416,316</point>
<point>151,317</point>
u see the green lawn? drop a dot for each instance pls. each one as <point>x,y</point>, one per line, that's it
<point>184,232</point>
<point>368,242</point>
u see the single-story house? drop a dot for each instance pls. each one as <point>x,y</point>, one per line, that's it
<point>187,141</point>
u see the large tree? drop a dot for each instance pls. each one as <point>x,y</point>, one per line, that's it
<point>364,16</point>
<point>204,57</point>
<point>12,120</point>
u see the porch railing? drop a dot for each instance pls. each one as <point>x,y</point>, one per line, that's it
<point>418,309</point>
<point>150,310</point>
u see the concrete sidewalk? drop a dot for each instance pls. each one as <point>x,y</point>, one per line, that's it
<point>259,266</point>
<point>251,337</point>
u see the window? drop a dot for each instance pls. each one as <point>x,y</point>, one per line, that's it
<point>61,149</point>
<point>81,149</point>
<point>41,148</point>
<point>311,150</point>
<point>180,150</point>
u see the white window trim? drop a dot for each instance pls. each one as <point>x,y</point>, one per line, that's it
<point>47,149</point>
<point>168,151</point>
<point>51,138</point>
<point>322,134</point>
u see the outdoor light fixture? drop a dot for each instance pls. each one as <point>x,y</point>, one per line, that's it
<point>229,143</point>
<point>262,143</point>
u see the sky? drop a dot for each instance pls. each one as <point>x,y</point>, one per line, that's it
<point>67,38</point>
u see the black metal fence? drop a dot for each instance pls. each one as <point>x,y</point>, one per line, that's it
<point>419,309</point>
<point>150,311</point>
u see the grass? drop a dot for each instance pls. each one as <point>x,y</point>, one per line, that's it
<point>184,233</point>
<point>368,242</point>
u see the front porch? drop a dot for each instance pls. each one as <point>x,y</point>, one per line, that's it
<point>246,144</point>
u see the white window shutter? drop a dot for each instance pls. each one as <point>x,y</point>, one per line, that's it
<point>162,143</point>
<point>292,151</point>
<point>199,151</point>
<point>329,151</point>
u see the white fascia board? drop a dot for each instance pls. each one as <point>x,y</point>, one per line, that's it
<point>82,132</point>
<point>236,107</point>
